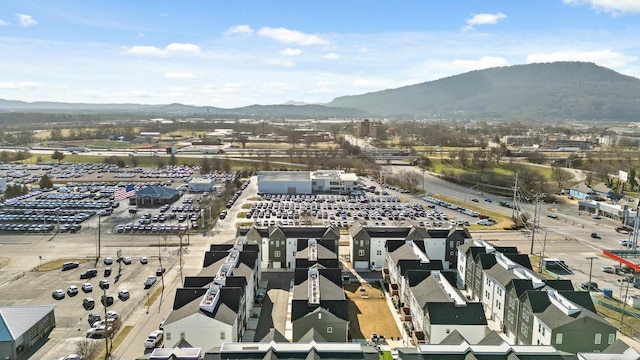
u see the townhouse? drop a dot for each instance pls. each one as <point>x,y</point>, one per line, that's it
<point>367,243</point>
<point>278,244</point>
<point>212,307</point>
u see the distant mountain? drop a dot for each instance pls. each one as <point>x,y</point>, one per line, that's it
<point>299,111</point>
<point>560,90</point>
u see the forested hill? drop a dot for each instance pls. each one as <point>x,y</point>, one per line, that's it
<point>559,90</point>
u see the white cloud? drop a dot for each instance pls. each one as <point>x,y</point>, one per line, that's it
<point>26,20</point>
<point>178,75</point>
<point>331,56</point>
<point>614,7</point>
<point>604,57</point>
<point>291,52</point>
<point>183,48</point>
<point>484,62</point>
<point>4,23</point>
<point>484,19</point>
<point>287,36</point>
<point>22,85</point>
<point>173,48</point>
<point>133,93</point>
<point>281,62</point>
<point>241,30</point>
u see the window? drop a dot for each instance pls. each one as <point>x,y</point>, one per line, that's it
<point>451,244</point>
<point>222,335</point>
<point>539,328</point>
<point>559,338</point>
<point>612,338</point>
<point>361,252</point>
<point>448,331</point>
<point>276,253</point>
<point>182,336</point>
<point>329,330</point>
<point>378,252</point>
<point>168,335</point>
<point>598,339</point>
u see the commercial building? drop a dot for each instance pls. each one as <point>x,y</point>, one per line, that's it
<point>24,327</point>
<point>201,185</point>
<point>306,182</point>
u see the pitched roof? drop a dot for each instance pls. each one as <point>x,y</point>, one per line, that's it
<point>492,338</point>
<point>312,335</point>
<point>429,291</point>
<point>275,336</point>
<point>500,274</point>
<point>330,284</point>
<point>17,320</point>
<point>520,286</point>
<point>187,302</point>
<point>444,313</point>
<point>157,191</point>
<point>454,338</point>
<point>583,188</point>
<point>559,284</point>
<point>486,261</point>
<point>301,308</point>
<point>520,259</point>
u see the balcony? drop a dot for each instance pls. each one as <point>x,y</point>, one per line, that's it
<point>393,289</point>
<point>385,274</point>
<point>405,314</point>
<point>418,338</point>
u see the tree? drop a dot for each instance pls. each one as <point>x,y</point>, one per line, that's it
<point>560,176</point>
<point>463,157</point>
<point>633,183</point>
<point>57,155</point>
<point>243,140</point>
<point>134,161</point>
<point>173,160</point>
<point>45,182</point>
<point>205,166</point>
<point>87,348</point>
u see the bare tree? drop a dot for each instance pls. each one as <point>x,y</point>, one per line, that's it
<point>463,157</point>
<point>87,348</point>
<point>560,176</point>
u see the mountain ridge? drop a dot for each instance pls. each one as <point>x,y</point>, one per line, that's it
<point>557,90</point>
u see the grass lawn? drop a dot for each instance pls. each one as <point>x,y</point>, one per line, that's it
<point>631,323</point>
<point>369,315</point>
<point>57,264</point>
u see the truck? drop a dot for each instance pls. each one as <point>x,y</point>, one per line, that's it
<point>171,150</point>
<point>78,149</point>
<point>213,151</point>
<point>154,339</point>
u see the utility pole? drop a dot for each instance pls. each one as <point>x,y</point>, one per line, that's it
<point>98,258</point>
<point>515,194</point>
<point>544,245</point>
<point>624,304</point>
<point>590,258</point>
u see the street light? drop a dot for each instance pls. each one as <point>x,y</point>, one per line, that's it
<point>590,258</point>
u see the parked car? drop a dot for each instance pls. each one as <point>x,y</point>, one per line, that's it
<point>107,272</point>
<point>58,294</point>
<point>124,295</point>
<point>149,281</point>
<point>108,260</point>
<point>88,303</point>
<point>87,287</point>
<point>596,236</point>
<point>103,284</point>
<point>112,314</point>
<point>72,357</point>
<point>154,339</point>
<point>69,265</point>
<point>106,300</point>
<point>88,274</point>
<point>144,260</point>
<point>93,317</point>
<point>160,271</point>
<point>608,269</point>
<point>72,290</point>
<point>552,215</point>
<point>585,286</point>
<point>126,260</point>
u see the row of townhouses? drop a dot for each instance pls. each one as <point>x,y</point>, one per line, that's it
<point>529,309</point>
<point>445,285</point>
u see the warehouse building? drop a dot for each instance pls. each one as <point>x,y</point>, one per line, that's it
<point>306,182</point>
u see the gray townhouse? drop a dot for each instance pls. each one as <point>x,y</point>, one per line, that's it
<point>566,320</point>
<point>323,252</point>
<point>402,256</point>
<point>278,244</point>
<point>212,307</point>
<point>435,308</point>
<point>319,306</point>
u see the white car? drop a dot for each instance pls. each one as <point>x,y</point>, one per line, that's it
<point>154,339</point>
<point>72,357</point>
<point>87,287</point>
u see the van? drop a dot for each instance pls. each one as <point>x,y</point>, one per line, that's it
<point>89,274</point>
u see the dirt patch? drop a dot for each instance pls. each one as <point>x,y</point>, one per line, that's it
<point>369,312</point>
<point>3,262</point>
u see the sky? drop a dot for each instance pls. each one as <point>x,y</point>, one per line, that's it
<point>236,53</point>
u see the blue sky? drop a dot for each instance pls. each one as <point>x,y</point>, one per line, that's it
<point>236,53</point>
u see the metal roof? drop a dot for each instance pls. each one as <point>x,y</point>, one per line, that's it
<point>17,320</point>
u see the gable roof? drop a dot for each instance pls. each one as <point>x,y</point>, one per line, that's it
<point>330,284</point>
<point>520,286</point>
<point>583,188</point>
<point>445,313</point>
<point>454,338</point>
<point>492,338</point>
<point>187,302</point>
<point>17,320</point>
<point>520,259</point>
<point>429,291</point>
